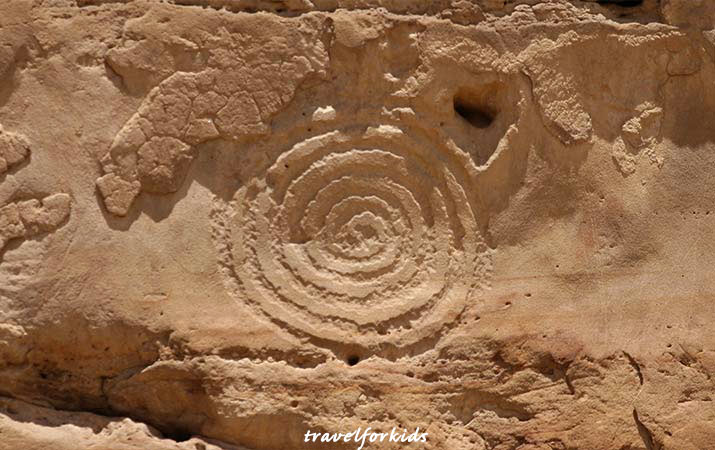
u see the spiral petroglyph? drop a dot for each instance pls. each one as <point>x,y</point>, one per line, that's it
<point>364,235</point>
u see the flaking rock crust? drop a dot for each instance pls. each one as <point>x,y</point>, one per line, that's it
<point>224,223</point>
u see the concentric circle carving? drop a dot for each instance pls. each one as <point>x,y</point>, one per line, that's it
<point>362,236</point>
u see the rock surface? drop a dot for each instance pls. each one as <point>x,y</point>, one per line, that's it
<point>224,223</point>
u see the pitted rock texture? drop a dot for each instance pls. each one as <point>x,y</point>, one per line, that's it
<point>225,223</point>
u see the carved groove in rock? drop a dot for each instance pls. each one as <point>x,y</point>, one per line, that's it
<point>363,237</point>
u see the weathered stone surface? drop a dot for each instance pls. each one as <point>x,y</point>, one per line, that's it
<point>226,223</point>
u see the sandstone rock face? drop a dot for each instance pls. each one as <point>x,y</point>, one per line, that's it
<point>226,223</point>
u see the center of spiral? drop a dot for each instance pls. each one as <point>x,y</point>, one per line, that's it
<point>362,236</point>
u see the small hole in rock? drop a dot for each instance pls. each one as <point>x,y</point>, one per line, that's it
<point>178,435</point>
<point>352,360</point>
<point>470,110</point>
<point>481,113</point>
